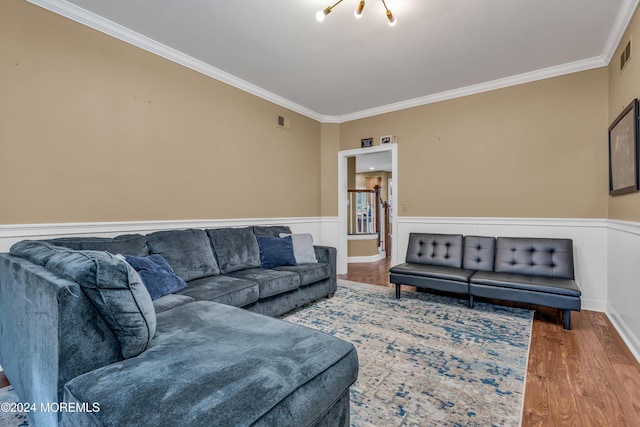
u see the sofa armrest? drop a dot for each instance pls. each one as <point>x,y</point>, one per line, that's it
<point>49,333</point>
<point>327,255</point>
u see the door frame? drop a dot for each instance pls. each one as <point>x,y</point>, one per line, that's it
<point>342,250</point>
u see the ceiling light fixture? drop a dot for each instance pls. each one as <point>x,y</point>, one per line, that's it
<point>357,13</point>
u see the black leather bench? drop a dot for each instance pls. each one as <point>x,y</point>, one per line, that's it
<point>527,270</point>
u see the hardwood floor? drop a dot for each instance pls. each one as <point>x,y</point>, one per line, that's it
<point>583,377</point>
<point>4,382</point>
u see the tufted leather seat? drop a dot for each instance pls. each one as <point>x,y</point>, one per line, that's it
<point>434,261</point>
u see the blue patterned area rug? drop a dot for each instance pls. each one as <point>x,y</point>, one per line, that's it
<point>428,360</point>
<point>10,416</point>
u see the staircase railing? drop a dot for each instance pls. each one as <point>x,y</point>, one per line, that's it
<point>363,211</point>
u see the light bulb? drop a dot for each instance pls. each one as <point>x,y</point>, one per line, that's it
<point>391,19</point>
<point>358,12</point>
<point>322,13</point>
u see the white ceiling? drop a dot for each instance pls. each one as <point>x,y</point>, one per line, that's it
<point>374,162</point>
<point>345,68</point>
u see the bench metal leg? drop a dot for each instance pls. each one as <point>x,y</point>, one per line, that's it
<point>470,301</point>
<point>398,291</point>
<point>566,319</point>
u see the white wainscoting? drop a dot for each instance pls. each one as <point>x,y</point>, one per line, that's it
<point>589,242</point>
<point>623,290</point>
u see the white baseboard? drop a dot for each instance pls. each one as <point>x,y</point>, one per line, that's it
<point>370,258</point>
<point>625,333</point>
<point>593,305</point>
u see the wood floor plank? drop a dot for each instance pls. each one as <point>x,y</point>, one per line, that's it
<point>530,419</point>
<point>616,349</point>
<point>535,397</point>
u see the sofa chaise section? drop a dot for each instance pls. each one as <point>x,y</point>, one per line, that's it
<point>204,368</point>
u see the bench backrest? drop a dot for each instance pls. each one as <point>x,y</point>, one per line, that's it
<point>435,249</point>
<point>536,256</point>
<point>479,253</point>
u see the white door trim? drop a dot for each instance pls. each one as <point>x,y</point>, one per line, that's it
<point>342,258</point>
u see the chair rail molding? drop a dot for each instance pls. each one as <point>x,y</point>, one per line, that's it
<point>12,233</point>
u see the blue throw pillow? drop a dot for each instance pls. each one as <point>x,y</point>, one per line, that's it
<point>156,274</point>
<point>276,251</point>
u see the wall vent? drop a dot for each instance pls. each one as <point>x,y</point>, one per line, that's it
<point>284,123</point>
<point>625,55</point>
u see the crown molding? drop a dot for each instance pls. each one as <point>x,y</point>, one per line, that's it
<point>82,16</point>
<point>113,29</point>
<point>545,73</point>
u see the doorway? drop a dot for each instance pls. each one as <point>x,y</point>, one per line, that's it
<point>343,156</point>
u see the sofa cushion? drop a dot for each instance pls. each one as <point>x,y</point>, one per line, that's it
<point>188,252</point>
<point>435,249</point>
<point>170,301</point>
<point>433,271</point>
<point>276,251</point>
<point>126,244</point>
<point>156,274</point>
<point>235,248</point>
<point>302,247</point>
<point>536,256</point>
<point>111,284</point>
<point>270,230</point>
<point>552,285</point>
<point>309,273</point>
<point>227,367</point>
<point>270,282</point>
<point>223,289</point>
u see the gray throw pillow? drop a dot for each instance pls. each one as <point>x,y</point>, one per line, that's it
<point>116,291</point>
<point>302,248</point>
<point>111,285</point>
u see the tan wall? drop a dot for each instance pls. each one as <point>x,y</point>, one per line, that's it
<point>94,129</point>
<point>362,247</point>
<point>623,88</point>
<point>532,150</point>
<point>329,147</point>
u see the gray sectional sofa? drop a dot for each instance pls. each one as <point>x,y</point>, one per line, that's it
<point>528,270</point>
<point>78,325</point>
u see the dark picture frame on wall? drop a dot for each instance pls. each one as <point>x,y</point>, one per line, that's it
<point>623,151</point>
<point>366,142</point>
